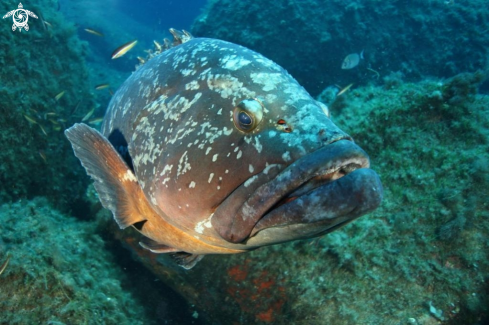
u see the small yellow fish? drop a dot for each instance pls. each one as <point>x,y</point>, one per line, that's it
<point>97,120</point>
<point>58,96</point>
<point>43,155</point>
<point>94,32</point>
<point>342,91</point>
<point>4,265</point>
<point>123,49</point>
<point>43,131</point>
<point>102,86</point>
<point>88,115</point>
<point>141,60</point>
<point>30,119</point>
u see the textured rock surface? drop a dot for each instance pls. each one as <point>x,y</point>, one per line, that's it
<point>61,271</point>
<point>311,38</point>
<point>35,67</point>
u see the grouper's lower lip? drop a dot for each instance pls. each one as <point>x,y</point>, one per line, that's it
<point>327,206</point>
<point>311,178</point>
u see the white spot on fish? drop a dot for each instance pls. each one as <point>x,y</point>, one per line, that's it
<point>129,176</point>
<point>211,175</point>
<point>166,169</point>
<point>240,153</point>
<point>232,62</point>
<point>193,85</point>
<point>227,131</point>
<point>250,180</point>
<point>286,156</point>
<point>251,168</point>
<point>208,150</point>
<point>258,145</point>
<point>183,165</point>
<point>191,185</point>
<point>199,227</point>
<point>270,81</point>
<point>214,158</point>
<point>267,169</point>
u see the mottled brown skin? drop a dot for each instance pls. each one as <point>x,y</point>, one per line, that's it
<point>228,153</point>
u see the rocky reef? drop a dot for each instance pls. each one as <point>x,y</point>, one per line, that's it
<point>41,93</point>
<point>311,38</point>
<point>62,271</point>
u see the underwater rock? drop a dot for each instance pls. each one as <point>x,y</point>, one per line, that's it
<point>40,95</point>
<point>62,272</point>
<point>311,38</point>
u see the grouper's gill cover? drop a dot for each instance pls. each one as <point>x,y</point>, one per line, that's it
<point>229,153</point>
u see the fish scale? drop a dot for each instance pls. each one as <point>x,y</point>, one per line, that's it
<point>219,138</point>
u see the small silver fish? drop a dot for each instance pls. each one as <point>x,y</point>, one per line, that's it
<point>351,60</point>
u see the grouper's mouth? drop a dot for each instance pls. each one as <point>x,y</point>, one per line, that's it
<point>314,195</point>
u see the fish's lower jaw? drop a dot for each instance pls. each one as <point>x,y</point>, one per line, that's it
<point>300,180</point>
<point>322,209</point>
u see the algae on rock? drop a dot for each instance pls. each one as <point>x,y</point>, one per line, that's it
<point>35,67</point>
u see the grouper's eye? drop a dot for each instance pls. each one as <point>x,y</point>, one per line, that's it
<point>248,114</point>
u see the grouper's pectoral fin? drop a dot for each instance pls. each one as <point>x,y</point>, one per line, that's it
<point>183,259</point>
<point>155,247</point>
<point>186,260</point>
<point>115,183</point>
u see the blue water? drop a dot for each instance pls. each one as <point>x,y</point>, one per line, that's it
<point>158,15</point>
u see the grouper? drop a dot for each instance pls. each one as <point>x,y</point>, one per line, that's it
<point>211,148</point>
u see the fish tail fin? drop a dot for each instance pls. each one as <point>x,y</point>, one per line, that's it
<point>115,183</point>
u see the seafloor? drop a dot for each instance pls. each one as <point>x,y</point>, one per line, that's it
<point>421,258</point>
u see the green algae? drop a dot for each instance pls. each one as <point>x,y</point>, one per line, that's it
<point>62,271</point>
<point>59,271</point>
<point>35,66</point>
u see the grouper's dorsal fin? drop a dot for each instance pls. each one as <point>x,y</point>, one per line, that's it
<point>179,37</point>
<point>115,183</point>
